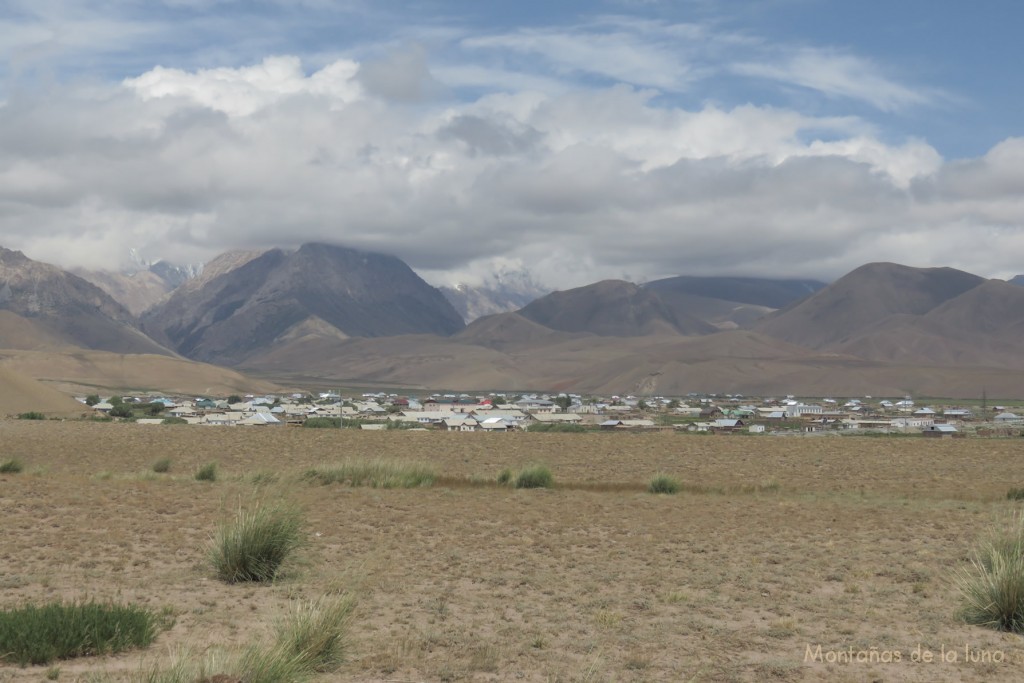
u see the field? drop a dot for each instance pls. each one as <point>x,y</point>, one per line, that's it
<point>774,546</point>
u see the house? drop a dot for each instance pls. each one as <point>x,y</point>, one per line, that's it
<point>756,429</point>
<point>496,424</point>
<point>259,419</point>
<point>228,419</point>
<point>1001,418</point>
<point>726,425</point>
<point>559,418</point>
<point>459,424</point>
<point>425,417</point>
<point>940,431</point>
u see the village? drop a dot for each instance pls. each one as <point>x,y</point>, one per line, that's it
<point>707,414</point>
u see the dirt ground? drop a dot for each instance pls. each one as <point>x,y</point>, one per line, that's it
<point>777,546</point>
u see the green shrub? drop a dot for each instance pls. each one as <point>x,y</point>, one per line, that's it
<point>662,483</point>
<point>534,477</point>
<point>121,410</point>
<point>992,587</point>
<point>557,427</point>
<point>256,543</point>
<point>310,640</point>
<point>505,477</point>
<point>314,632</point>
<point>207,472</point>
<point>162,465</point>
<point>1015,494</point>
<point>379,473</point>
<point>322,422</point>
<point>11,466</point>
<point>40,635</point>
<point>174,421</point>
<point>32,415</point>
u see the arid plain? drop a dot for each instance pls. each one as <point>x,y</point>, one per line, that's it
<point>776,545</point>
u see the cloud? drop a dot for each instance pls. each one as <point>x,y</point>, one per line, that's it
<point>642,53</point>
<point>576,184</point>
<point>839,75</point>
<point>401,76</point>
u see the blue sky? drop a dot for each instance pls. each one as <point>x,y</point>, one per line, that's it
<point>530,135</point>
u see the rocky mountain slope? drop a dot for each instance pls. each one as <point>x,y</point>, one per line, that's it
<point>44,306</point>
<point>249,304</point>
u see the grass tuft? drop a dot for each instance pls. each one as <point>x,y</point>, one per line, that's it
<point>1015,494</point>
<point>992,587</point>
<point>379,473</point>
<point>314,631</point>
<point>256,543</point>
<point>505,477</point>
<point>11,466</point>
<point>162,466</point>
<point>207,472</point>
<point>40,635</point>
<point>662,483</point>
<point>32,415</point>
<point>534,477</point>
<point>310,640</point>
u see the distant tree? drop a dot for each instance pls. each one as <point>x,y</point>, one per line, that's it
<point>673,404</point>
<point>120,410</point>
<point>563,402</point>
<point>154,408</point>
<point>92,399</point>
<point>115,401</point>
<point>234,398</point>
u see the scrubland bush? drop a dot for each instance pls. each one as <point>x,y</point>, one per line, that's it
<point>40,635</point>
<point>992,587</point>
<point>254,545</point>
<point>379,473</point>
<point>534,477</point>
<point>662,483</point>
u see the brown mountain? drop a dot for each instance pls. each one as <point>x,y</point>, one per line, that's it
<point>247,305</point>
<point>45,306</point>
<point>762,292</point>
<point>981,327</point>
<point>864,299</point>
<point>612,308</point>
<point>135,291</point>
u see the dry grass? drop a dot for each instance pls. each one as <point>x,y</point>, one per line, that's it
<point>780,543</point>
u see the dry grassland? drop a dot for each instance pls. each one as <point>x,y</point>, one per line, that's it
<point>597,581</point>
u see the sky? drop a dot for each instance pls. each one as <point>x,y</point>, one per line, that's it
<point>575,141</point>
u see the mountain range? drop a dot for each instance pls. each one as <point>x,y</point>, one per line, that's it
<point>329,315</point>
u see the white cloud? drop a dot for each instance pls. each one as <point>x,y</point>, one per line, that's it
<point>574,184</point>
<point>839,75</point>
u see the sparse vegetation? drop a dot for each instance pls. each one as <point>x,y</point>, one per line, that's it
<point>1015,494</point>
<point>314,632</point>
<point>40,635</point>
<point>322,422</point>
<point>310,640</point>
<point>11,466</point>
<point>121,410</point>
<point>663,483</point>
<point>207,472</point>
<point>254,545</point>
<point>31,415</point>
<point>162,466</point>
<point>558,428</point>
<point>505,477</point>
<point>534,477</point>
<point>174,421</point>
<point>378,473</point>
<point>992,586</point>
